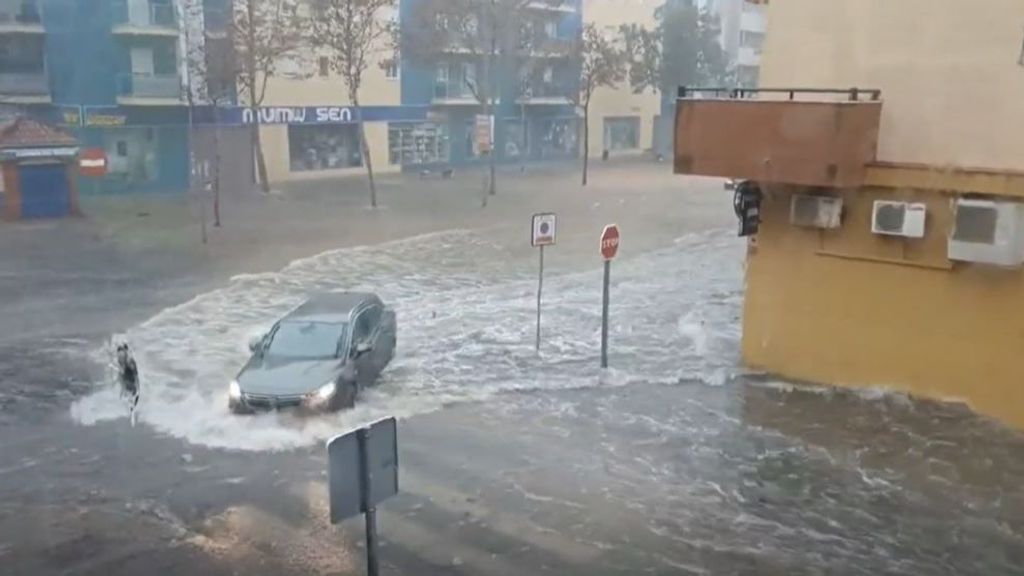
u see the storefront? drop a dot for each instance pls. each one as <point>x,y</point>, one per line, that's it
<point>302,142</point>
<point>622,133</point>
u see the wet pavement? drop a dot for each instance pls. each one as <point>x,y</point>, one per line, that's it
<point>674,461</point>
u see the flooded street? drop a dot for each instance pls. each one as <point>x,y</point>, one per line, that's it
<point>673,461</point>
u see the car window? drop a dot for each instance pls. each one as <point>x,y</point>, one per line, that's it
<point>305,339</point>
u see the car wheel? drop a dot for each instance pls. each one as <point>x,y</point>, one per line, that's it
<point>346,396</point>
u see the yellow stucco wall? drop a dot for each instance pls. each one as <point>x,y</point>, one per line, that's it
<point>621,101</point>
<point>948,70</point>
<point>848,307</point>
<point>377,90</point>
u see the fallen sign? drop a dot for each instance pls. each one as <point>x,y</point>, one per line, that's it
<point>362,471</point>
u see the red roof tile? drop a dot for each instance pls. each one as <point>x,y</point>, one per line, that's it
<point>28,133</point>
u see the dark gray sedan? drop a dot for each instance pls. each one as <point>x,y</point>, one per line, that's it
<point>319,356</point>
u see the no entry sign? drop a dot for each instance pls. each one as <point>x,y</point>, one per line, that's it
<point>93,162</point>
<point>610,242</point>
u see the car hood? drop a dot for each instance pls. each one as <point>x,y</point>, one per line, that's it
<point>284,377</point>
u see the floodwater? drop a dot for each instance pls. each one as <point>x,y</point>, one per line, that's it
<point>673,462</point>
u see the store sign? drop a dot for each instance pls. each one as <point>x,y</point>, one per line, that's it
<point>484,132</point>
<point>70,115</point>
<point>105,117</point>
<point>59,152</point>
<point>311,114</point>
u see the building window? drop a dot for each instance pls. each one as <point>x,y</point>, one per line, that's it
<point>391,69</point>
<point>515,138</point>
<point>753,40</point>
<point>418,143</point>
<point>550,29</point>
<point>323,147</point>
<point>132,154</point>
<point>559,137</point>
<point>622,133</point>
<point>324,65</point>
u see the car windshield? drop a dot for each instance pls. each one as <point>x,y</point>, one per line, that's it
<point>305,339</point>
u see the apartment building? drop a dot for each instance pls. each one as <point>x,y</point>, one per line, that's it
<point>743,28</point>
<point>890,244</point>
<point>622,122</point>
<point>111,73</point>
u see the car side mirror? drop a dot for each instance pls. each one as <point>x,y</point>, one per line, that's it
<point>363,348</point>
<point>255,343</point>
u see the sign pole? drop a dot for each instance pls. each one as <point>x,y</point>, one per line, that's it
<point>540,288</point>
<point>362,436</point>
<point>604,314</point>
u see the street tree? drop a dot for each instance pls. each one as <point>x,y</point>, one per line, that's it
<point>602,64</point>
<point>682,48</point>
<point>268,39</point>
<point>211,70</point>
<point>479,42</point>
<point>352,35</point>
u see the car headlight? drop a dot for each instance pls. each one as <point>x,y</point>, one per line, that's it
<point>326,391</point>
<point>234,390</point>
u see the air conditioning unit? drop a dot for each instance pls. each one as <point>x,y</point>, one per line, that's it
<point>988,232</point>
<point>898,219</point>
<point>815,211</point>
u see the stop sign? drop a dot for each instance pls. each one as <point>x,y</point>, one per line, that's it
<point>610,242</point>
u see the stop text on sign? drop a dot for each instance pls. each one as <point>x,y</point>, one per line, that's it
<point>610,242</point>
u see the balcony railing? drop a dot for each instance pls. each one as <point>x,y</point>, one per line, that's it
<point>155,15</point>
<point>548,91</point>
<point>24,84</point>
<point>20,13</point>
<point>813,137</point>
<point>164,86</point>
<point>453,91</point>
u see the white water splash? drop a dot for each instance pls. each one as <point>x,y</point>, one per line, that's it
<point>465,333</point>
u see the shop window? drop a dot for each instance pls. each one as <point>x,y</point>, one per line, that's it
<point>622,133</point>
<point>423,143</point>
<point>132,154</point>
<point>560,137</point>
<point>323,147</point>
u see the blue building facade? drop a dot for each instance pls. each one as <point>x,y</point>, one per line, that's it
<point>532,119</point>
<point>110,72</point>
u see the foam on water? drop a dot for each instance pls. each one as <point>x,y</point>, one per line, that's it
<point>466,322</point>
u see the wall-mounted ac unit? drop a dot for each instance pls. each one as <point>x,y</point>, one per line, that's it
<point>898,219</point>
<point>815,211</point>
<point>988,232</point>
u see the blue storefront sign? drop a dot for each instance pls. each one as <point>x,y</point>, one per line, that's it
<point>240,115</point>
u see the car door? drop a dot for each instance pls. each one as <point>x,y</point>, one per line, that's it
<point>379,351</point>
<point>362,331</point>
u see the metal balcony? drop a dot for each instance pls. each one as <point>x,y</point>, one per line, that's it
<point>24,87</point>
<point>145,88</point>
<point>144,18</point>
<point>811,137</point>
<point>453,93</point>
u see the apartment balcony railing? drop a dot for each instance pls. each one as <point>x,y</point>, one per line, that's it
<point>452,91</point>
<point>547,93</point>
<point>151,17</point>
<point>162,86</point>
<point>21,16</point>
<point>814,137</point>
<point>24,84</point>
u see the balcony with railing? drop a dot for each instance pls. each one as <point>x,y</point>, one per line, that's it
<point>561,6</point>
<point>453,92</point>
<point>24,87</point>
<point>547,93</point>
<point>148,88</point>
<point>21,16</point>
<point>142,18</point>
<point>812,136</point>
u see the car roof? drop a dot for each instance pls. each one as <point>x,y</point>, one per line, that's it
<point>332,307</point>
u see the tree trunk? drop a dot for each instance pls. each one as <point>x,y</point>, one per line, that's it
<point>216,174</point>
<point>257,149</point>
<point>586,141</point>
<point>365,150</point>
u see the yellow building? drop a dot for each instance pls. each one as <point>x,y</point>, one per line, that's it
<point>620,121</point>
<point>311,131</point>
<point>891,231</point>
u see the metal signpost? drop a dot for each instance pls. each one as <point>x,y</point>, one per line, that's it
<point>543,234</point>
<point>362,471</point>
<point>609,248</point>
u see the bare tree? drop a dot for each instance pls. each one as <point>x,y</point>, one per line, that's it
<point>602,64</point>
<point>265,34</point>
<point>488,37</point>
<point>352,34</point>
<point>211,71</point>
